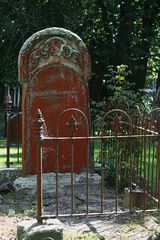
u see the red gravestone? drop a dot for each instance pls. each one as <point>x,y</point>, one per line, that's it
<point>54,69</point>
<point>15,128</point>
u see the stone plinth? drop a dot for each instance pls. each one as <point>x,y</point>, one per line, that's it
<point>28,184</point>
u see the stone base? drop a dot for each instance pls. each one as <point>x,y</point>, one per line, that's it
<point>9,174</point>
<point>28,184</point>
<point>31,230</point>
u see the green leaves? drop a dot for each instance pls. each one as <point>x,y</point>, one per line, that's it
<point>118,33</point>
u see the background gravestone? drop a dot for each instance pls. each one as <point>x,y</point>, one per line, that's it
<point>54,69</point>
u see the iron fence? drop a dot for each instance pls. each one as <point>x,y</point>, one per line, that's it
<point>14,140</point>
<point>11,134</point>
<point>125,155</point>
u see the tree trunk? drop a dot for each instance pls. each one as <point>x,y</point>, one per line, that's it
<point>150,12</point>
<point>123,42</point>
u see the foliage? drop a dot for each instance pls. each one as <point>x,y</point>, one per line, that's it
<point>115,31</point>
<point>120,32</point>
<point>122,95</point>
<point>116,168</point>
<point>121,91</point>
<point>153,70</point>
<point>20,19</point>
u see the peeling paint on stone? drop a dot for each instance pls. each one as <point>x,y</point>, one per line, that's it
<point>54,67</point>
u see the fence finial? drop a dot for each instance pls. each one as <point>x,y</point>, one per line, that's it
<point>7,102</point>
<point>39,124</point>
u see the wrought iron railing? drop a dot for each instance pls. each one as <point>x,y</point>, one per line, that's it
<point>125,153</point>
<point>12,131</point>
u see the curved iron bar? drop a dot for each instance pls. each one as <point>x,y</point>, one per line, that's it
<point>117,165</point>
<point>127,106</point>
<point>137,108</point>
<point>120,111</point>
<point>74,110</point>
<point>154,110</point>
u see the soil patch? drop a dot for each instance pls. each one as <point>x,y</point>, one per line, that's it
<point>15,208</point>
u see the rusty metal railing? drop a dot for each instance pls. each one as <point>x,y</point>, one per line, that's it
<point>125,153</point>
<point>13,131</point>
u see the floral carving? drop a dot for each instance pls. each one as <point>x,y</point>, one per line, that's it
<point>54,48</point>
<point>53,45</point>
<point>66,50</point>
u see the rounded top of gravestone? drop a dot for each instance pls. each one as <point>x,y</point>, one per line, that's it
<point>45,43</point>
<point>49,32</point>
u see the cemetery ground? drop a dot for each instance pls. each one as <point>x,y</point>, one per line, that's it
<point>15,207</point>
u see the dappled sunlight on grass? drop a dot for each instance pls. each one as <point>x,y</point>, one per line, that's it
<point>15,154</point>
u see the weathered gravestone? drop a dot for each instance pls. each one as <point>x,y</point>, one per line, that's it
<point>54,69</point>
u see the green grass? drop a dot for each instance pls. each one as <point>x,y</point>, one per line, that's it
<point>84,236</point>
<point>13,154</point>
<point>150,159</point>
<point>150,164</point>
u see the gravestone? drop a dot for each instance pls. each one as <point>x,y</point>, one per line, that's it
<point>54,69</point>
<point>15,128</point>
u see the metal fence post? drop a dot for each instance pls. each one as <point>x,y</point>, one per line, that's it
<point>39,134</point>
<point>158,159</point>
<point>8,109</point>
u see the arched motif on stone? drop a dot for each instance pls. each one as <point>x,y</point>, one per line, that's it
<point>54,68</point>
<point>53,45</point>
